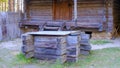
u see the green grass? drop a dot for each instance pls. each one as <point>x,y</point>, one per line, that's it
<point>21,59</point>
<point>105,58</point>
<point>100,42</point>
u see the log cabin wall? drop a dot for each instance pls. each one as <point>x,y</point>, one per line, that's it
<point>90,11</point>
<point>110,15</point>
<point>95,12</point>
<point>40,10</point>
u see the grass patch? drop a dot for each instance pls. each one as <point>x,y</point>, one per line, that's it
<point>21,59</point>
<point>100,42</point>
<point>105,58</point>
<point>1,60</point>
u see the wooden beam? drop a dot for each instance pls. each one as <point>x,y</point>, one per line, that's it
<point>75,10</point>
<point>25,9</point>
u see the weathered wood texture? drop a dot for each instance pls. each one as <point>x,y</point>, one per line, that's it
<point>9,26</point>
<point>94,14</point>
<point>62,47</point>
<point>39,10</point>
<point>73,47</point>
<point>50,48</point>
<point>53,26</point>
<point>97,14</point>
<point>85,46</point>
<point>61,59</point>
<point>62,10</point>
<point>28,45</point>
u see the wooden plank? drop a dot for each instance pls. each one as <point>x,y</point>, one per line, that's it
<point>45,38</point>
<point>40,9</point>
<point>46,45</point>
<point>52,33</point>
<point>52,28</point>
<point>61,59</point>
<point>85,47</point>
<point>48,51</point>
<point>84,52</point>
<point>71,59</point>
<point>27,49</point>
<point>48,42</point>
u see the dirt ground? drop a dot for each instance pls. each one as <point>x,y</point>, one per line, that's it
<point>9,49</point>
<point>115,43</point>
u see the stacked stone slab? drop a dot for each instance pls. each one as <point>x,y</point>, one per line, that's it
<point>73,45</point>
<point>85,46</point>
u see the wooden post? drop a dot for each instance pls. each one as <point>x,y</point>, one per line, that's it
<point>75,10</point>
<point>25,9</point>
<point>107,13</point>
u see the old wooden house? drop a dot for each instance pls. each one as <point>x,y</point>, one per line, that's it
<point>48,17</point>
<point>87,15</point>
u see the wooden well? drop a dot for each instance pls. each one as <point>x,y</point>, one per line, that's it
<point>52,45</point>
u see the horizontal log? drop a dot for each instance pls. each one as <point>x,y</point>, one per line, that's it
<point>44,38</point>
<point>46,45</point>
<point>27,49</point>
<point>52,28</point>
<point>87,47</point>
<point>61,59</point>
<point>87,41</point>
<point>47,51</point>
<point>69,59</point>
<point>85,36</point>
<point>49,42</point>
<point>45,18</point>
<point>84,52</point>
<point>72,52</point>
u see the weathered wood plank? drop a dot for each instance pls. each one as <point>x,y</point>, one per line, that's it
<point>85,36</point>
<point>73,47</point>
<point>84,52</point>
<point>61,59</point>
<point>27,40</point>
<point>26,49</point>
<point>48,51</point>
<point>85,47</point>
<point>71,59</point>
<point>49,42</point>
